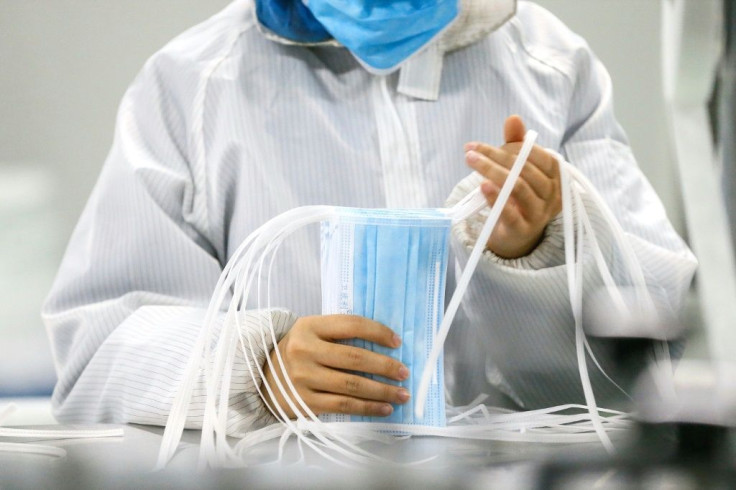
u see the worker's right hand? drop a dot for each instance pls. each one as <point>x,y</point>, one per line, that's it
<point>323,371</point>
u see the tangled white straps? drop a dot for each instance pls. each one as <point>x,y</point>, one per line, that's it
<point>243,278</point>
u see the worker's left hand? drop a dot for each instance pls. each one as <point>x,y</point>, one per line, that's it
<point>536,197</point>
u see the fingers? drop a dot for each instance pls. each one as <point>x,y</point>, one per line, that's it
<point>543,166</point>
<point>335,403</point>
<point>513,129</point>
<point>539,157</point>
<point>524,194</point>
<point>352,358</point>
<point>331,381</point>
<point>511,216</point>
<point>342,327</point>
<point>317,367</point>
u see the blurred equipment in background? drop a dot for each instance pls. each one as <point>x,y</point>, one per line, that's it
<point>30,235</point>
<point>692,42</point>
<point>687,430</point>
<point>726,114</point>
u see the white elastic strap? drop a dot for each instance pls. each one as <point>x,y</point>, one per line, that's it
<point>644,303</point>
<point>631,263</point>
<point>19,433</point>
<point>475,255</point>
<point>60,433</point>
<point>22,448</point>
<point>471,204</point>
<point>200,353</point>
<point>576,299</point>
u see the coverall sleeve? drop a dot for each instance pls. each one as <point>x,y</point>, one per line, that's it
<point>521,308</point>
<point>131,294</point>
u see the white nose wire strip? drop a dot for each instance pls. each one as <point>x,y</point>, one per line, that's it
<point>48,434</point>
<point>571,178</point>
<point>464,281</point>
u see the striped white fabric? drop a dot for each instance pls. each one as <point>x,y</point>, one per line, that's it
<point>224,129</point>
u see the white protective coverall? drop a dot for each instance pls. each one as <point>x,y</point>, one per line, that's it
<point>225,128</point>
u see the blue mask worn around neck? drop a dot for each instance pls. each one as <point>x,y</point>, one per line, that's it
<point>382,34</point>
<point>291,20</point>
<point>389,266</point>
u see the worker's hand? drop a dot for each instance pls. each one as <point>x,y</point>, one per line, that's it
<point>536,197</point>
<point>322,370</point>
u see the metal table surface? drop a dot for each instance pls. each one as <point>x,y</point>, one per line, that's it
<point>127,462</point>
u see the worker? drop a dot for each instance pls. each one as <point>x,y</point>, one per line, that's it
<point>274,104</point>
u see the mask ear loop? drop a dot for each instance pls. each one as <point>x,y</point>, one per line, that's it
<point>475,255</point>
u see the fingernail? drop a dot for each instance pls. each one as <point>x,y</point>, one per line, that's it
<point>386,410</point>
<point>472,145</point>
<point>472,156</point>
<point>403,373</point>
<point>403,395</point>
<point>397,340</point>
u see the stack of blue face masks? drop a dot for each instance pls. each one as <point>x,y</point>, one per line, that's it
<point>389,266</point>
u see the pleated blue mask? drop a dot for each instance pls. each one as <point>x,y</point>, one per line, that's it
<point>382,34</point>
<point>389,266</point>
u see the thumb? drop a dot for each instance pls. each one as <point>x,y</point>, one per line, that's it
<point>514,129</point>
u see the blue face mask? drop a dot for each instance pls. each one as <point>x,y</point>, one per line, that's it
<point>382,34</point>
<point>389,266</point>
